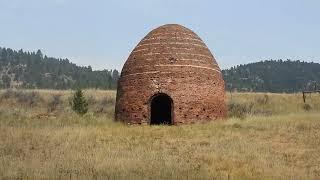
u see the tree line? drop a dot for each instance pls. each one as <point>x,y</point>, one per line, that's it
<point>20,69</point>
<point>273,76</point>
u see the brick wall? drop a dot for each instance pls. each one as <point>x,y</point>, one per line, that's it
<point>172,60</point>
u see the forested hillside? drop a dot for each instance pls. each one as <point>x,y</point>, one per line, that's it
<point>273,76</point>
<point>19,69</point>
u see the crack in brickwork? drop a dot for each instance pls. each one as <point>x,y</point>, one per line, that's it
<point>175,61</point>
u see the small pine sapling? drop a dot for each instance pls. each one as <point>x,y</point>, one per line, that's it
<point>79,103</point>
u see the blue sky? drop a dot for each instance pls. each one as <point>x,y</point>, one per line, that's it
<point>102,33</point>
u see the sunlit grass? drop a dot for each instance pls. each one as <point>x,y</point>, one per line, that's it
<point>282,143</point>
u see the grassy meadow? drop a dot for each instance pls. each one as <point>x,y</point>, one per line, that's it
<point>266,136</point>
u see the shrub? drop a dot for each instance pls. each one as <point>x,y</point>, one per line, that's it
<point>54,102</point>
<point>237,110</point>
<point>91,100</point>
<point>307,107</point>
<point>29,98</point>
<point>263,100</point>
<point>108,101</point>
<point>105,104</point>
<point>22,97</point>
<point>79,103</point>
<point>9,93</point>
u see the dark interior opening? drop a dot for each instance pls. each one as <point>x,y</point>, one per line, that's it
<point>161,109</point>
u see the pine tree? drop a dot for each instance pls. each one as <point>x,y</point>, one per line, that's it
<point>79,104</point>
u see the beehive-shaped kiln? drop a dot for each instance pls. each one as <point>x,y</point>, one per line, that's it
<point>170,77</point>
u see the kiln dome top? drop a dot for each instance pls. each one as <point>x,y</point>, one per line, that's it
<point>167,46</point>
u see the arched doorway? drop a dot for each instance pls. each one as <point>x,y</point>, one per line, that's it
<point>161,109</point>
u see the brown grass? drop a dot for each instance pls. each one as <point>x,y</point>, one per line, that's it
<point>282,143</point>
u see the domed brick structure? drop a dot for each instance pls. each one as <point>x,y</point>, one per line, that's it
<point>171,77</point>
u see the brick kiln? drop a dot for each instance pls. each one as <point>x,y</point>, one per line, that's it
<point>170,77</point>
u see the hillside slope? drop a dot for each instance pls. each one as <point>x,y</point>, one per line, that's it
<point>19,69</point>
<point>273,76</point>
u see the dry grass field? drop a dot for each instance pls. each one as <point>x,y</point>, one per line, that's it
<point>266,136</point>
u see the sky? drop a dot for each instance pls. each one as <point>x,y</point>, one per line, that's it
<point>102,33</point>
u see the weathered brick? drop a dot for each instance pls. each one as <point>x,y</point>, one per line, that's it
<point>172,60</point>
